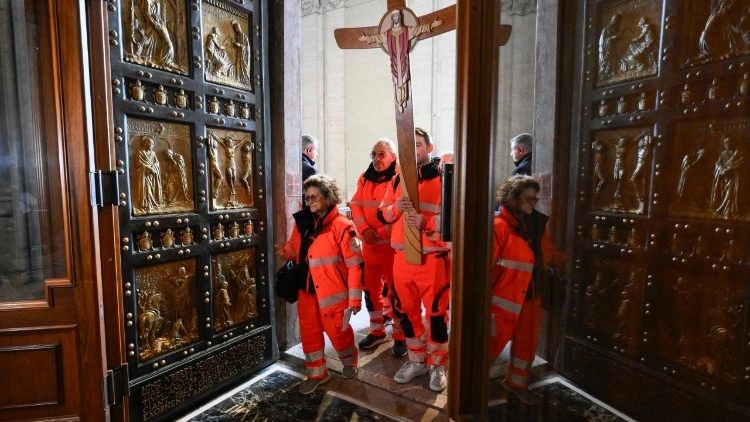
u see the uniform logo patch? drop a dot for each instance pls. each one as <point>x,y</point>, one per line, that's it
<point>355,244</point>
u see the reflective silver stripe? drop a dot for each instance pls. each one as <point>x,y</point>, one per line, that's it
<point>498,360</point>
<point>345,352</point>
<point>399,246</point>
<point>414,342</point>
<point>324,260</point>
<point>368,204</point>
<point>518,379</point>
<point>426,206</point>
<point>431,249</point>
<point>359,220</point>
<point>416,356</point>
<point>317,371</point>
<point>312,357</point>
<point>436,347</point>
<point>509,306</point>
<point>332,300</point>
<point>355,294</point>
<point>386,204</point>
<point>378,315</point>
<point>520,364</point>
<point>516,265</point>
<point>355,260</point>
<point>437,359</point>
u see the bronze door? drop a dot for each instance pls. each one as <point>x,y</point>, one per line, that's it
<point>190,140</point>
<point>658,318</point>
<point>51,354</point>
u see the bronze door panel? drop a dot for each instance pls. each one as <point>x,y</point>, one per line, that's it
<point>660,292</point>
<point>190,136</point>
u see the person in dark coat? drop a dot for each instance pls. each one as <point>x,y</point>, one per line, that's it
<point>520,150</point>
<point>309,154</point>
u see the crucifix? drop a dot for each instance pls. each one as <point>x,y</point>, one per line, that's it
<point>397,34</point>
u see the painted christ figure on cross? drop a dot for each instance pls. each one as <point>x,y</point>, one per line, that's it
<point>397,40</point>
<point>397,34</point>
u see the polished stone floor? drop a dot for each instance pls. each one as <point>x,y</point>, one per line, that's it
<point>373,395</point>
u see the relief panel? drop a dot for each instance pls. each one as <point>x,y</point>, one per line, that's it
<point>693,330</point>
<point>621,169</point>
<point>231,186</point>
<point>711,163</point>
<point>713,30</point>
<point>155,34</point>
<point>161,180</point>
<point>226,45</point>
<point>235,289</point>
<point>627,40</point>
<point>167,309</point>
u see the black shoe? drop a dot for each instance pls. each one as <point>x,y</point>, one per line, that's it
<point>399,348</point>
<point>371,341</point>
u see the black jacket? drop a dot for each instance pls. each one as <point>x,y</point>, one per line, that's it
<point>307,167</point>
<point>523,166</point>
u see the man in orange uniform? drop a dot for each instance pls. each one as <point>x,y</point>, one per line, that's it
<point>377,251</point>
<point>418,285</point>
<point>519,251</point>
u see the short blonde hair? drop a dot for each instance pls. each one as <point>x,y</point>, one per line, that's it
<point>327,187</point>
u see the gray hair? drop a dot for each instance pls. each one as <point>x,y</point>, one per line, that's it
<point>387,142</point>
<point>308,141</point>
<point>524,140</point>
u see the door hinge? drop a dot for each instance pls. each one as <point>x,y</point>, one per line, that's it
<point>105,189</point>
<point>116,384</point>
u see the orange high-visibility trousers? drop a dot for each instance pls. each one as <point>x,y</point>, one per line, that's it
<point>377,274</point>
<point>312,323</point>
<point>417,285</point>
<point>523,348</point>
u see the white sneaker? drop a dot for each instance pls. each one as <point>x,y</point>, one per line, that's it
<point>409,371</point>
<point>438,380</point>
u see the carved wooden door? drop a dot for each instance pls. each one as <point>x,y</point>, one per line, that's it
<point>190,133</point>
<point>51,354</point>
<point>658,321</point>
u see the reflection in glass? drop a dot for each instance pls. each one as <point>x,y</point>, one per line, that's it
<point>32,248</point>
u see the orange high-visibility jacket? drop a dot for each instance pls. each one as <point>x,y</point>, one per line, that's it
<point>371,188</point>
<point>513,262</point>
<point>430,191</point>
<point>334,258</point>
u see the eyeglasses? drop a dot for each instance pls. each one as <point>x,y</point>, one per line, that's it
<point>310,198</point>
<point>531,200</point>
<point>381,154</point>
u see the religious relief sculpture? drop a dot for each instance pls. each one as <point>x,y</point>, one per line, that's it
<point>618,173</point>
<point>625,323</point>
<point>628,42</point>
<point>154,32</point>
<point>688,192</point>
<point>725,189</point>
<point>235,290</point>
<point>161,180</point>
<point>226,45</point>
<point>726,32</point>
<point>599,163</point>
<point>397,38</point>
<point>641,51</point>
<point>638,177</point>
<point>222,150</point>
<point>167,307</point>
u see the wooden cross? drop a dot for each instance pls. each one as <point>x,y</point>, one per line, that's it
<point>397,34</point>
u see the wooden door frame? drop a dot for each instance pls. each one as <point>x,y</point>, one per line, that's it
<point>104,159</point>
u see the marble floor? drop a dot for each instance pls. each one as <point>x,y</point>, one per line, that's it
<point>373,395</point>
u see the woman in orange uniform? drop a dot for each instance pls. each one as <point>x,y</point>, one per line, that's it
<point>328,252</point>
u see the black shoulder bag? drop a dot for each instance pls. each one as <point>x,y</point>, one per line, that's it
<point>287,284</point>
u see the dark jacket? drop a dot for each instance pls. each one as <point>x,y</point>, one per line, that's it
<point>523,166</point>
<point>307,167</point>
